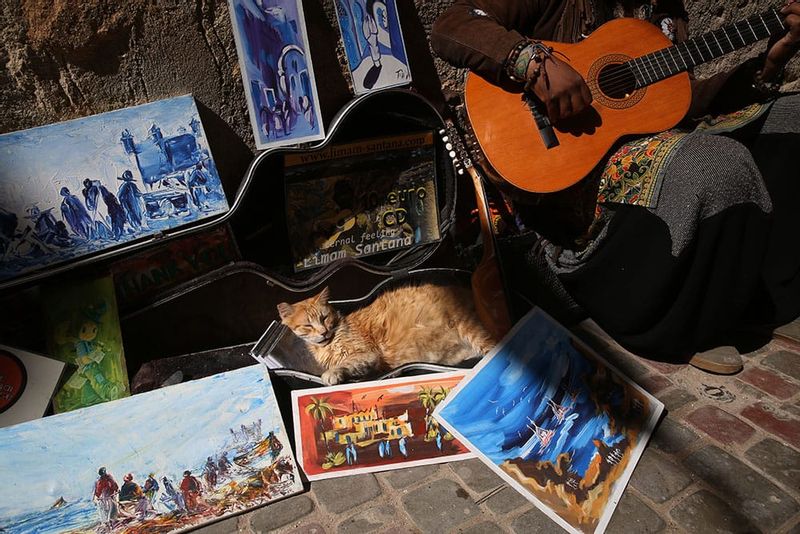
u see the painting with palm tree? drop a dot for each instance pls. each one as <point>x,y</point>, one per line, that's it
<point>374,426</point>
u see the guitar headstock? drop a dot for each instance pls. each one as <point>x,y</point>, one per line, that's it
<point>455,144</point>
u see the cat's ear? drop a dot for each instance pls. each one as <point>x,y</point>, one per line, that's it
<point>323,297</point>
<point>285,310</point>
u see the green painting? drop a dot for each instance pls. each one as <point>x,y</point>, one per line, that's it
<point>83,330</point>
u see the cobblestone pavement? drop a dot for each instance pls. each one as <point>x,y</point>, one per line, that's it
<point>724,459</point>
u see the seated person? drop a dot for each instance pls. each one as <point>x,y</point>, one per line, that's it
<point>679,239</point>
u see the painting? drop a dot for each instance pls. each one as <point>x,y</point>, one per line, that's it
<point>82,328</point>
<point>27,382</point>
<point>373,43</point>
<point>161,461</point>
<point>373,426</point>
<point>77,187</point>
<point>276,69</point>
<point>553,419</point>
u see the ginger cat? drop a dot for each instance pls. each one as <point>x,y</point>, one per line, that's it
<point>414,323</point>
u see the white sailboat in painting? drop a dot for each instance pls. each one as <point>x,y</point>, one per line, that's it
<point>559,410</point>
<point>540,436</point>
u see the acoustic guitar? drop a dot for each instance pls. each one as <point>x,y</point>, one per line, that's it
<point>639,83</point>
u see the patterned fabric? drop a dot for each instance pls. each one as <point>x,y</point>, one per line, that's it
<point>634,173</point>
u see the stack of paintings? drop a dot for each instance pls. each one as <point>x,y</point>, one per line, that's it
<point>556,421</point>
<point>162,461</point>
<point>373,426</point>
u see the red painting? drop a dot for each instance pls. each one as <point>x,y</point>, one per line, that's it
<point>374,426</point>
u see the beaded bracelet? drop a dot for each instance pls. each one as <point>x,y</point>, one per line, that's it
<point>520,58</point>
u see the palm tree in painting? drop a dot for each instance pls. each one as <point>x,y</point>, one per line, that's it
<point>430,397</point>
<point>319,409</point>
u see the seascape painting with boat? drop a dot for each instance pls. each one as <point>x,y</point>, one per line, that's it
<point>160,461</point>
<point>555,421</point>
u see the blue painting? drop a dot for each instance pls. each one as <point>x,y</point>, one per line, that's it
<point>161,461</point>
<point>276,70</point>
<point>373,43</point>
<point>555,421</point>
<point>77,187</point>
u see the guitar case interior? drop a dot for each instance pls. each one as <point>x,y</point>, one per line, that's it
<point>236,304</point>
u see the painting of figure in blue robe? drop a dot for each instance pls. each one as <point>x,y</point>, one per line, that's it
<point>277,72</point>
<point>555,421</point>
<point>78,187</point>
<point>373,43</point>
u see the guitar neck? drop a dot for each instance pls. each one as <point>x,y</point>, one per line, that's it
<point>661,64</point>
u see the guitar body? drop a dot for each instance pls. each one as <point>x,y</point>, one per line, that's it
<point>507,134</point>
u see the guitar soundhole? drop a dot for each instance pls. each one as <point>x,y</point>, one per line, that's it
<point>616,81</point>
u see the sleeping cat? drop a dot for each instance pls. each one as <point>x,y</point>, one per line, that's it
<point>412,323</point>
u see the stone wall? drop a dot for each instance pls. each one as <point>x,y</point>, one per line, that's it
<point>69,58</point>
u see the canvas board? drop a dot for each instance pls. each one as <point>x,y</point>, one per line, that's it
<point>554,420</point>
<point>387,423</point>
<point>74,188</point>
<point>278,77</point>
<point>373,43</point>
<point>27,382</point>
<point>51,467</point>
<point>82,328</point>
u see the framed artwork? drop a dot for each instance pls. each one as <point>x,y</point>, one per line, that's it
<point>74,188</point>
<point>373,426</point>
<point>276,68</point>
<point>555,421</point>
<point>162,461</point>
<point>373,43</point>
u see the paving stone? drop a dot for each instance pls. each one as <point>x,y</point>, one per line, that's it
<point>281,513</point>
<point>777,460</point>
<point>507,500</point>
<point>747,392</point>
<point>705,512</point>
<point>720,425</point>
<point>664,367</point>
<point>229,526</point>
<point>337,495</point>
<point>716,392</point>
<point>654,383</point>
<point>401,478</point>
<point>633,515</point>
<point>659,478</point>
<point>368,520</point>
<point>476,475</point>
<point>626,363</point>
<point>672,437</point>
<point>487,527</point>
<point>311,528</point>
<point>784,361</point>
<point>790,331</point>
<point>439,506</point>
<point>742,488</point>
<point>534,521</point>
<point>768,381</point>
<point>791,408</point>
<point>676,398</point>
<point>775,422</point>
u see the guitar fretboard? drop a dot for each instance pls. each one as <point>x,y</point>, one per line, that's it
<point>667,62</point>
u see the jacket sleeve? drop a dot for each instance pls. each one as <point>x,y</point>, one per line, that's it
<point>480,34</point>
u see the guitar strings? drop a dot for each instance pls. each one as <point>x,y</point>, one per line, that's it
<point>617,78</point>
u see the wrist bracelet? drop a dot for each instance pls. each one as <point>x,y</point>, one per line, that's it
<point>520,58</point>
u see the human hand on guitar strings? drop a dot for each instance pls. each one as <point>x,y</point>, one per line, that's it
<point>781,48</point>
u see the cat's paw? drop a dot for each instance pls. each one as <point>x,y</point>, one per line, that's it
<point>334,376</point>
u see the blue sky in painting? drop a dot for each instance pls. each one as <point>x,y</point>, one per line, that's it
<point>36,163</point>
<point>164,431</point>
<point>495,411</point>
